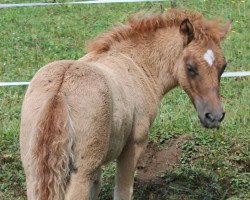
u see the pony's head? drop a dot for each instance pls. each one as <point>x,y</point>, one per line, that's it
<point>201,67</point>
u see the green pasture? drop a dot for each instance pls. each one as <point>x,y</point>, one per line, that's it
<point>215,164</point>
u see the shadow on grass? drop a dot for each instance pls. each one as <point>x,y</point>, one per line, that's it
<point>184,184</point>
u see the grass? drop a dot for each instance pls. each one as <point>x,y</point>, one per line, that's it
<point>34,36</point>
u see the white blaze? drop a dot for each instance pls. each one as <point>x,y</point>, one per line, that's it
<point>209,57</point>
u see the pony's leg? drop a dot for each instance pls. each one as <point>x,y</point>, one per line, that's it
<point>30,188</point>
<point>83,185</point>
<point>29,169</point>
<point>96,187</point>
<point>126,165</point>
<point>85,181</point>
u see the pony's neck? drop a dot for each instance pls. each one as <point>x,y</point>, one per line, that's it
<point>157,56</point>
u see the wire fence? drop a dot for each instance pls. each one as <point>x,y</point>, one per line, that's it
<point>225,74</point>
<point>78,2</point>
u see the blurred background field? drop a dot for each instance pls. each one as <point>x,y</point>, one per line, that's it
<point>215,164</point>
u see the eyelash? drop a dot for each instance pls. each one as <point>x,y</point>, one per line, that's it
<point>191,70</point>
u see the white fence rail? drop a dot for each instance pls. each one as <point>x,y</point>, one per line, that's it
<point>72,3</point>
<point>13,83</point>
<point>225,74</point>
<point>236,74</point>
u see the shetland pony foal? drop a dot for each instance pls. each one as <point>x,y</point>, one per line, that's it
<point>79,115</point>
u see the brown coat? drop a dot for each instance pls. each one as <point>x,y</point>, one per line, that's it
<point>79,115</point>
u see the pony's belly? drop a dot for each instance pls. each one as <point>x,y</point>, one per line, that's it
<point>121,129</point>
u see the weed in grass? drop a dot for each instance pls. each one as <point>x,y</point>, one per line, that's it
<point>183,183</point>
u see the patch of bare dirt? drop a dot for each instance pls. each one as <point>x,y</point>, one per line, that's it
<point>157,160</point>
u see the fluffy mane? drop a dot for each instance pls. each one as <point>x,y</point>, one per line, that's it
<point>137,26</point>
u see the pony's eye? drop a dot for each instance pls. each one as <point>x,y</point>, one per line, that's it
<point>191,70</point>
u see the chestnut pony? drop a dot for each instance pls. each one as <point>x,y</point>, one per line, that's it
<point>78,115</point>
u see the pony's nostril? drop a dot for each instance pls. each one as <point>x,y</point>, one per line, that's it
<point>210,117</point>
<point>222,117</point>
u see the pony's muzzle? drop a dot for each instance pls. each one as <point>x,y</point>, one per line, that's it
<point>211,120</point>
<point>210,116</point>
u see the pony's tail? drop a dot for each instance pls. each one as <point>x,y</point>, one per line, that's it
<point>53,149</point>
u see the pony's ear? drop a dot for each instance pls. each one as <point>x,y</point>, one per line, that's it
<point>187,30</point>
<point>225,29</point>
